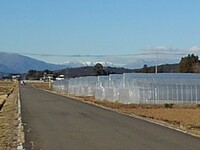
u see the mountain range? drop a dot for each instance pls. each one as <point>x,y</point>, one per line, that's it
<point>15,63</point>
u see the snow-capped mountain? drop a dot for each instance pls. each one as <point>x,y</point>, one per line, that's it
<point>76,64</point>
<point>15,63</point>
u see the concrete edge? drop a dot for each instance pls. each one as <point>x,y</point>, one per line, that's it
<point>20,127</point>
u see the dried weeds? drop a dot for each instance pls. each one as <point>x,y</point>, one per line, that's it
<point>8,117</point>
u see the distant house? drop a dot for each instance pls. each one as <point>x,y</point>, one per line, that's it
<point>60,77</point>
<point>15,77</point>
<point>47,77</point>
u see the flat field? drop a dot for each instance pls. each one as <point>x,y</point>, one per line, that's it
<point>41,85</point>
<point>6,87</point>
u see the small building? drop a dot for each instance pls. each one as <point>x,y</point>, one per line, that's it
<point>15,77</point>
<point>60,77</point>
<point>47,77</point>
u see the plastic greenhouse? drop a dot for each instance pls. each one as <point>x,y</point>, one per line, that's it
<point>136,88</point>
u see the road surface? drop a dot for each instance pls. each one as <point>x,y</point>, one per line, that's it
<point>54,122</point>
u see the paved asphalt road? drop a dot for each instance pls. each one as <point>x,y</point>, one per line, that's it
<point>53,122</point>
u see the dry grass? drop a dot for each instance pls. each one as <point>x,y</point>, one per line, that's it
<point>184,117</point>
<point>6,87</point>
<point>8,116</point>
<point>41,85</point>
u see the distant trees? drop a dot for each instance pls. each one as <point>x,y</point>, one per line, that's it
<point>196,68</point>
<point>36,75</point>
<point>98,69</point>
<point>33,75</point>
<point>145,69</point>
<point>189,64</point>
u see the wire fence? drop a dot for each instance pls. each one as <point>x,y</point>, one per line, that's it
<point>138,88</point>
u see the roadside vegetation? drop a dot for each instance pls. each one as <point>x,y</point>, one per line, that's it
<point>41,85</point>
<point>9,115</point>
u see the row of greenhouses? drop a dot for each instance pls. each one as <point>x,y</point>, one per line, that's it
<point>139,88</point>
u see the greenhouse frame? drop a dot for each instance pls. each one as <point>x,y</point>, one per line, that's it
<point>136,88</point>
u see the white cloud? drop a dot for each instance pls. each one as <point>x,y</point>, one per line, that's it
<point>162,49</point>
<point>172,51</point>
<point>194,49</point>
<point>158,48</point>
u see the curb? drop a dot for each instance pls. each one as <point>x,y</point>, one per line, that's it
<point>20,126</point>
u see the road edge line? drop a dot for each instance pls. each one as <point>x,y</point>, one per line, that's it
<point>20,135</point>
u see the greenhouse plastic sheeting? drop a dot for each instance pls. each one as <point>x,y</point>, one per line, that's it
<point>136,87</point>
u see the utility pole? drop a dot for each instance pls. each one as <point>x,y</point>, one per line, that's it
<point>156,68</point>
<point>49,78</point>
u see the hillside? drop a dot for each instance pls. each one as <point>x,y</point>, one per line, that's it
<point>14,63</point>
<point>166,68</point>
<point>89,71</point>
<point>5,69</point>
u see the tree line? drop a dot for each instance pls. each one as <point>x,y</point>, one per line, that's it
<point>187,64</point>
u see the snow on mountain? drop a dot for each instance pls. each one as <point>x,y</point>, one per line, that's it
<point>76,64</point>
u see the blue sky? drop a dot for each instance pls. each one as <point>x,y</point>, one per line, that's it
<point>99,27</point>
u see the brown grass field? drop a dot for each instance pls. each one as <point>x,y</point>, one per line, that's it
<point>41,85</point>
<point>8,115</point>
<point>6,87</point>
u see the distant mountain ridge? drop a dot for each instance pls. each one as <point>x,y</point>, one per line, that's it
<point>5,69</point>
<point>15,63</point>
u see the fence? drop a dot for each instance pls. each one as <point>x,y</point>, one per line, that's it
<point>136,88</point>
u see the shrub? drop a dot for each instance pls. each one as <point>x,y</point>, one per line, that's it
<point>166,105</point>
